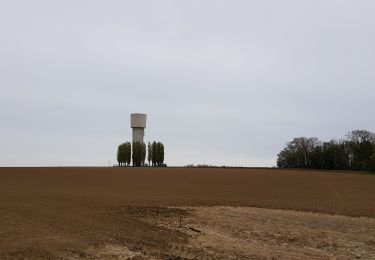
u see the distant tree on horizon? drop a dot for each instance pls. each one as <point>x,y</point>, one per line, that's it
<point>372,158</point>
<point>139,154</point>
<point>143,154</point>
<point>128,155</point>
<point>124,154</point>
<point>161,154</point>
<point>136,154</point>
<point>149,153</point>
<point>154,153</point>
<point>119,155</point>
<point>361,147</point>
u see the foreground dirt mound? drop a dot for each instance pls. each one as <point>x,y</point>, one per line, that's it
<point>140,232</point>
<point>252,233</point>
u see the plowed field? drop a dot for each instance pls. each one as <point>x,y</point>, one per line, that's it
<point>185,213</point>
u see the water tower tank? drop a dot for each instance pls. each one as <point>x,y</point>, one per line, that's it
<point>138,124</point>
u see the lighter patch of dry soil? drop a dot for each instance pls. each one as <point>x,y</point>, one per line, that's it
<point>254,233</point>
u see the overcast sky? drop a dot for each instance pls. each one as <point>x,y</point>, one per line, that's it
<point>222,82</point>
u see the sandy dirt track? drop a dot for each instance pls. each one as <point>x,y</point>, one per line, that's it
<point>122,213</point>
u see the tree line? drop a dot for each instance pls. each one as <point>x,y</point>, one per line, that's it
<point>136,153</point>
<point>354,152</point>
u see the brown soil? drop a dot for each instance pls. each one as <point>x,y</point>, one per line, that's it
<point>126,213</point>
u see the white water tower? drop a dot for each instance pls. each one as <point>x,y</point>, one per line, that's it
<point>138,124</point>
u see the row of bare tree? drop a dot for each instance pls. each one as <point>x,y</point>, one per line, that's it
<point>354,152</point>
